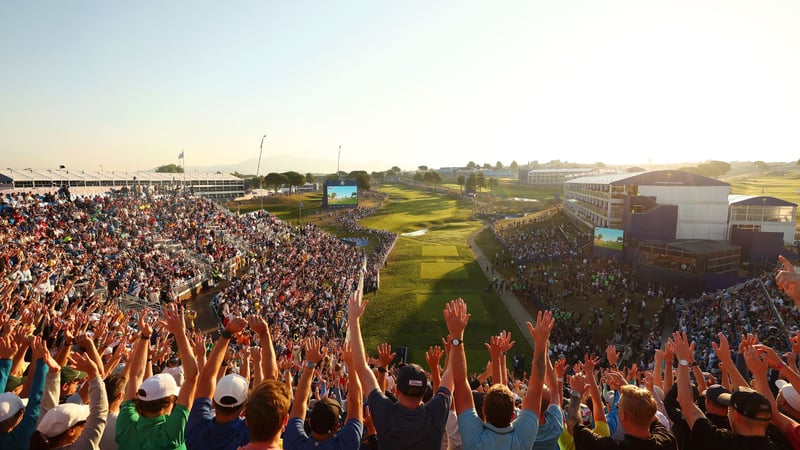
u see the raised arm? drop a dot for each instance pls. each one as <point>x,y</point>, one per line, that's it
<point>385,358</point>
<point>432,357</point>
<point>176,324</point>
<point>138,356</point>
<point>456,318</point>
<point>315,353</point>
<point>683,353</point>
<point>354,391</point>
<point>207,382</point>
<point>269,363</point>
<point>723,351</point>
<point>540,334</point>
<point>355,309</point>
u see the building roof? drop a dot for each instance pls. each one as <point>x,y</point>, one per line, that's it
<point>651,178</point>
<point>757,200</point>
<point>697,246</point>
<point>57,175</point>
<point>582,170</point>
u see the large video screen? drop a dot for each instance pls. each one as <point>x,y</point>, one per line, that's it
<point>610,238</point>
<point>340,194</point>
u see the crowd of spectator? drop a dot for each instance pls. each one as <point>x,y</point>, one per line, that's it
<point>290,370</point>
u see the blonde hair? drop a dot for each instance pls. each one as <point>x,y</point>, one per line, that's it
<point>638,404</point>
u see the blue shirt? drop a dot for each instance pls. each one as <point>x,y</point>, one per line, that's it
<point>550,430</point>
<point>348,437</point>
<point>20,436</point>
<point>477,434</point>
<point>202,432</point>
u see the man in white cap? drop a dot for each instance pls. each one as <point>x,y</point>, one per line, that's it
<point>74,426</point>
<point>155,411</point>
<point>223,428</point>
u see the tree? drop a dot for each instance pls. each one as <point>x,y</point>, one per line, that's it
<point>480,181</point>
<point>276,180</point>
<point>514,166</point>
<point>310,177</point>
<point>461,180</point>
<point>493,183</point>
<point>169,168</point>
<point>362,178</point>
<point>487,166</point>
<point>600,165</point>
<point>432,176</point>
<point>295,179</point>
<point>634,169</point>
<point>396,170</point>
<point>761,166</point>
<point>471,165</point>
<point>418,177</point>
<point>714,169</point>
<point>498,165</point>
<point>471,182</point>
<point>378,176</point>
<point>422,168</point>
<point>332,177</point>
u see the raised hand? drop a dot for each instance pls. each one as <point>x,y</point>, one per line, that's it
<point>315,350</point>
<point>612,354</point>
<point>560,368</point>
<point>385,355</point>
<point>590,362</point>
<point>8,347</point>
<point>505,337</point>
<point>682,349</point>
<point>578,383</point>
<point>356,305</point>
<point>755,363</point>
<point>84,363</point>
<point>257,324</point>
<point>456,318</point>
<point>544,324</point>
<point>173,319</point>
<point>495,347</point>
<point>433,356</point>
<point>788,280</point>
<point>723,350</point>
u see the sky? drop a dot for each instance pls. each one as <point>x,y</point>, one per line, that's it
<point>129,85</point>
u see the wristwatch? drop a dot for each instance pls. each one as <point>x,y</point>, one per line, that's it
<point>311,365</point>
<point>694,364</point>
<point>455,342</point>
<point>683,362</point>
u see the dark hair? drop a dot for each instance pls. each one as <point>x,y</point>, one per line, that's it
<point>5,426</point>
<point>115,386</point>
<point>148,408</point>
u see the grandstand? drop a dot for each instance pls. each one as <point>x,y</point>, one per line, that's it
<point>209,185</point>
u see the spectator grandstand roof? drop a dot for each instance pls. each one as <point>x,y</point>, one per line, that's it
<point>651,178</point>
<point>81,176</point>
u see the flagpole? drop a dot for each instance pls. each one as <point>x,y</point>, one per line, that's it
<point>183,160</point>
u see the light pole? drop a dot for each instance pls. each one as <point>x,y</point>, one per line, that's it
<point>258,169</point>
<point>337,162</point>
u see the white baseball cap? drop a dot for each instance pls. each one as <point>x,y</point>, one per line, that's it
<point>789,393</point>
<point>231,391</point>
<point>62,418</point>
<point>157,387</point>
<point>10,404</point>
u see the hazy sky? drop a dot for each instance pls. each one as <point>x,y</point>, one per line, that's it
<point>127,85</point>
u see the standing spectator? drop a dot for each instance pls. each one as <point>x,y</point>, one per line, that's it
<point>74,426</point>
<point>499,431</point>
<point>324,417</point>
<point>266,413</point>
<point>222,428</point>
<point>155,412</point>
<point>407,424</point>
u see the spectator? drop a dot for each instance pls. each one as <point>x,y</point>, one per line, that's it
<point>267,412</point>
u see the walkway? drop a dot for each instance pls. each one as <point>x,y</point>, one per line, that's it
<point>517,311</point>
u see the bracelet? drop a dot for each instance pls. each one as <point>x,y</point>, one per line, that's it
<point>226,334</point>
<point>144,338</point>
<point>382,369</point>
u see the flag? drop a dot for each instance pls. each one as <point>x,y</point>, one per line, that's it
<point>180,156</point>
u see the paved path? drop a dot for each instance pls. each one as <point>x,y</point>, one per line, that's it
<point>517,311</point>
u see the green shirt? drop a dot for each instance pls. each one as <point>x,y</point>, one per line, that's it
<point>151,433</point>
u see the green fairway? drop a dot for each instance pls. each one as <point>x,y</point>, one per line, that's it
<point>427,270</point>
